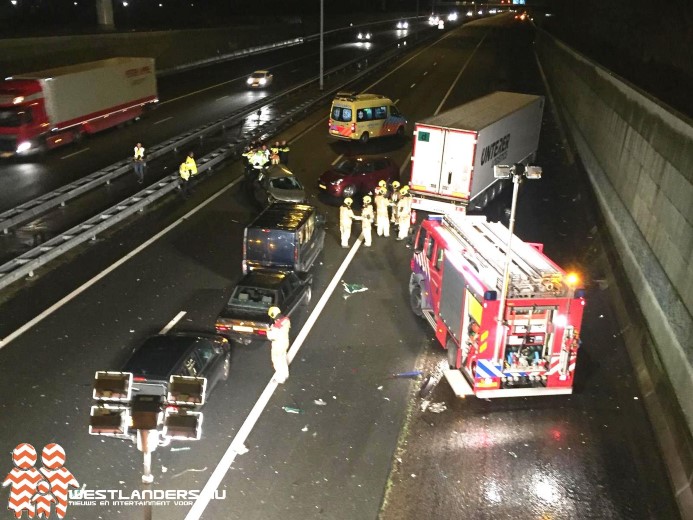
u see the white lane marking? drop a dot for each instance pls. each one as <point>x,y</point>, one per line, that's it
<point>396,101</point>
<point>50,310</point>
<point>337,159</point>
<point>447,94</point>
<point>173,322</point>
<point>238,441</point>
<point>73,154</point>
<point>162,120</point>
<point>412,85</point>
<point>295,70</point>
<point>222,97</point>
<point>425,72</point>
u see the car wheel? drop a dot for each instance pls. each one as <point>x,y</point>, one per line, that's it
<point>452,349</point>
<point>364,137</point>
<point>349,191</point>
<point>415,301</point>
<point>226,370</point>
<point>307,297</point>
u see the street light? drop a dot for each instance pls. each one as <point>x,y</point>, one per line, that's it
<point>517,172</point>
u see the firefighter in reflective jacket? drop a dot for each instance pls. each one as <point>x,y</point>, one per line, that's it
<point>367,218</point>
<point>381,217</point>
<point>346,216</point>
<point>404,213</point>
<point>394,199</point>
<point>278,334</point>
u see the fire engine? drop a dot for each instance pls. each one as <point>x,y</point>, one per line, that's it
<point>518,342</point>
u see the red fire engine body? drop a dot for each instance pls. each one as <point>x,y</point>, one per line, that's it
<point>456,284</point>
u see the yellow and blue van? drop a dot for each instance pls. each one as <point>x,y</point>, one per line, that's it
<point>364,116</point>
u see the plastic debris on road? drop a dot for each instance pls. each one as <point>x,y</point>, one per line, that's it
<point>407,375</point>
<point>437,407</point>
<point>320,402</point>
<point>352,288</point>
<point>305,428</point>
<point>241,450</point>
<point>184,448</point>
<point>291,409</point>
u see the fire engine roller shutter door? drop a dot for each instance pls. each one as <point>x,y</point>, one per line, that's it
<point>452,298</point>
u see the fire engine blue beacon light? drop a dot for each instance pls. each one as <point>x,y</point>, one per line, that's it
<point>437,218</point>
<point>490,295</point>
<point>580,293</point>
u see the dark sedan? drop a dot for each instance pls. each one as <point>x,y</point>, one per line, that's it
<point>184,354</point>
<point>357,175</point>
<point>245,318</point>
<point>275,183</point>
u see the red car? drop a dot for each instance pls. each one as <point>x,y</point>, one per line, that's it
<point>357,175</point>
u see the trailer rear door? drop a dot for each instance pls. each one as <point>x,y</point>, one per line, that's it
<point>428,156</point>
<point>456,168</point>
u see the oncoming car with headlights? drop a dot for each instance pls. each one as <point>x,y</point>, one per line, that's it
<point>260,79</point>
<point>363,36</point>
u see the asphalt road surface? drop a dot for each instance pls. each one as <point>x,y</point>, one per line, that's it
<point>368,451</point>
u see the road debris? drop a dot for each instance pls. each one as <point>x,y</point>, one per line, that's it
<point>291,409</point>
<point>320,402</point>
<point>407,375</point>
<point>189,470</point>
<point>352,288</point>
<point>242,449</point>
<point>305,428</point>
<point>437,407</point>
<point>184,448</point>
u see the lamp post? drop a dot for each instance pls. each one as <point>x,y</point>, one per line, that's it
<point>517,172</point>
<point>322,48</point>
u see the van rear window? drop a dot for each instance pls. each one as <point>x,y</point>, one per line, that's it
<point>342,114</point>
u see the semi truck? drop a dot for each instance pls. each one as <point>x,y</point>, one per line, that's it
<point>454,152</point>
<point>50,108</point>
<point>514,335</point>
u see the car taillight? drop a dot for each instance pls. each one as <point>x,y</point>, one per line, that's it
<point>222,328</point>
<point>261,332</point>
<point>139,379</point>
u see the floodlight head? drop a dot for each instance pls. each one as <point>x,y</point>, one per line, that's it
<point>186,391</point>
<point>182,425</point>
<point>533,172</point>
<point>109,420</point>
<point>113,386</point>
<point>146,412</point>
<point>502,171</point>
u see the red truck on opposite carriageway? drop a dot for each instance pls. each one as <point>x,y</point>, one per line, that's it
<point>50,108</point>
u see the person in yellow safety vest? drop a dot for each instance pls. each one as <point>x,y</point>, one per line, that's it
<point>404,213</point>
<point>381,216</point>
<point>284,153</point>
<point>184,174</point>
<point>274,153</point>
<point>394,199</point>
<point>259,159</point>
<point>367,218</point>
<point>192,165</point>
<point>346,216</point>
<point>278,334</point>
<point>138,162</point>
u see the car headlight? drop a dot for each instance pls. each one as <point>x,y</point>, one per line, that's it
<point>263,81</point>
<point>360,36</point>
<point>405,25</point>
<point>23,146</point>
<point>250,81</point>
<point>368,36</point>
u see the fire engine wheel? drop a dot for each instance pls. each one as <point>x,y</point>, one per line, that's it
<point>415,300</point>
<point>364,137</point>
<point>349,191</point>
<point>452,349</point>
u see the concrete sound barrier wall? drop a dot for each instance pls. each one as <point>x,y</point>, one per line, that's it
<point>639,156</point>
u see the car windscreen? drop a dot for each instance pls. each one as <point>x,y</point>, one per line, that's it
<point>257,75</point>
<point>253,298</point>
<point>346,167</point>
<point>13,117</point>
<point>286,183</point>
<point>343,114</point>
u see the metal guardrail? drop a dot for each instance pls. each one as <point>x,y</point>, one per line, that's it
<point>25,264</point>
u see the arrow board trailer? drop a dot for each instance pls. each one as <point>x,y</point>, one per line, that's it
<point>454,152</point>
<point>456,285</point>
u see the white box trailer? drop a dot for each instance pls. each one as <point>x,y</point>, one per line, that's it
<point>454,152</point>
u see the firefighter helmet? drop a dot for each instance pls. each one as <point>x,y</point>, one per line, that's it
<point>382,184</point>
<point>404,190</point>
<point>395,185</point>
<point>367,199</point>
<point>273,312</point>
<point>348,201</point>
